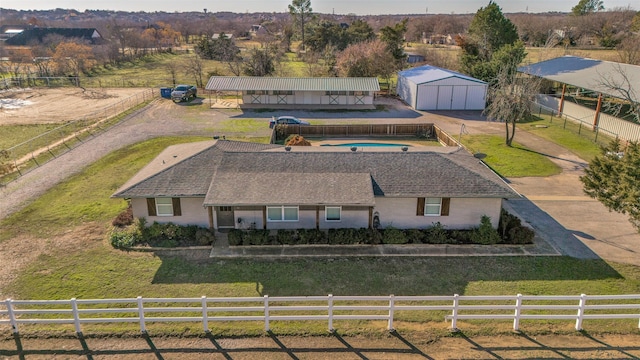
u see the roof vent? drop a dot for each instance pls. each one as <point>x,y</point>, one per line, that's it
<point>404,148</point>
<point>287,148</point>
<point>354,149</point>
<point>216,137</point>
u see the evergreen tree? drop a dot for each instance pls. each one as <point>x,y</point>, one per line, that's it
<point>613,178</point>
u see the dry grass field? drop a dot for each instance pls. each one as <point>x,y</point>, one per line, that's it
<point>57,105</point>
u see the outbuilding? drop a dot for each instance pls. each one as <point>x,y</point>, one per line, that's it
<point>433,88</point>
<point>331,92</point>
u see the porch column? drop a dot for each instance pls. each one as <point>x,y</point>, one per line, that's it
<point>317,217</point>
<point>596,118</point>
<point>264,218</point>
<point>210,211</point>
<point>561,105</point>
<point>370,217</point>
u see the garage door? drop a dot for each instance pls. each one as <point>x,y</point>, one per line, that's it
<point>445,94</point>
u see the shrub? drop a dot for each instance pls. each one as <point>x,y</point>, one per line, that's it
<point>521,235</point>
<point>256,237</point>
<point>125,218</point>
<point>312,236</point>
<point>461,236</point>
<point>416,236</point>
<point>340,236</point>
<point>485,234</point>
<point>204,237</point>
<point>235,237</point>
<point>392,235</point>
<point>437,234</point>
<point>375,236</point>
<point>508,221</point>
<point>287,237</point>
<point>121,239</point>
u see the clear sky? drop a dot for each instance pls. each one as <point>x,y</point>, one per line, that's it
<point>360,7</point>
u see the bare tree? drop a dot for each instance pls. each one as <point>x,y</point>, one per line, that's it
<point>195,68</point>
<point>511,98</point>
<point>620,83</point>
<point>629,50</point>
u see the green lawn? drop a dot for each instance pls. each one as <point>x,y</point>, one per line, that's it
<point>85,197</point>
<point>13,135</point>
<point>95,270</point>
<point>579,141</point>
<point>515,161</point>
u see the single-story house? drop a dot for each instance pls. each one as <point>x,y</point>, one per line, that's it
<point>27,36</point>
<point>331,91</point>
<point>230,184</point>
<point>433,88</point>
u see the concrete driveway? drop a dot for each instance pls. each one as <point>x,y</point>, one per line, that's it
<point>556,206</point>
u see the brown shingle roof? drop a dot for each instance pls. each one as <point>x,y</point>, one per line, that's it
<point>225,169</point>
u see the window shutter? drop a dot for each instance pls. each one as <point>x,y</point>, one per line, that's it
<point>177,211</point>
<point>420,208</point>
<point>444,210</point>
<point>151,206</point>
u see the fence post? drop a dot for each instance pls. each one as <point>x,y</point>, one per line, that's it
<point>583,301</point>
<point>266,313</point>
<point>205,314</point>
<point>331,329</point>
<point>516,316</point>
<point>76,316</point>
<point>597,131</point>
<point>579,127</point>
<point>12,316</point>
<point>391,304</point>
<point>143,327</point>
<point>454,315</point>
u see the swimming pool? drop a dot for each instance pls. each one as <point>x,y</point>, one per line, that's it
<point>367,145</point>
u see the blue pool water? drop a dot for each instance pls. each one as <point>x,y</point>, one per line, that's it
<point>367,145</point>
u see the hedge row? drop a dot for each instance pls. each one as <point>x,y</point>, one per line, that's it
<point>160,235</point>
<point>510,231</point>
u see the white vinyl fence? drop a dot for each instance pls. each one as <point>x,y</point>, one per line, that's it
<point>625,129</point>
<point>316,308</point>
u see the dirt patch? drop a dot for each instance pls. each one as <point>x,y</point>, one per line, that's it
<point>19,252</point>
<point>331,347</point>
<point>58,105</point>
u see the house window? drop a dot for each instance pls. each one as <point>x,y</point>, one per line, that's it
<point>164,207</point>
<point>432,206</point>
<point>336,93</point>
<point>282,92</point>
<point>333,213</point>
<point>282,213</point>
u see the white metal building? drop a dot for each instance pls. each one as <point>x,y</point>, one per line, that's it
<point>331,91</point>
<point>433,88</point>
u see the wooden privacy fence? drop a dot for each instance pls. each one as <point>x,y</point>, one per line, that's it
<point>317,308</point>
<point>351,130</point>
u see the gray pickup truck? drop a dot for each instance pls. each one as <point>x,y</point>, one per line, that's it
<point>183,93</point>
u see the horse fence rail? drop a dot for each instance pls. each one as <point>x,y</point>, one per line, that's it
<point>316,308</point>
<point>52,143</point>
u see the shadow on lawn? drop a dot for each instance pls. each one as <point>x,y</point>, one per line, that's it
<point>381,275</point>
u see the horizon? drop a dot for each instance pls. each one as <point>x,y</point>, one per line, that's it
<point>358,7</point>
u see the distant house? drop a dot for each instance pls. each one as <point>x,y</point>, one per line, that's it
<point>433,88</point>
<point>439,39</point>
<point>257,30</point>
<point>279,91</point>
<point>229,184</point>
<point>217,35</point>
<point>414,58</point>
<point>38,34</point>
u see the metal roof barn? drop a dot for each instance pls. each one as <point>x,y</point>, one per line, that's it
<point>433,88</point>
<point>589,74</point>
<point>244,83</point>
<point>281,92</point>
